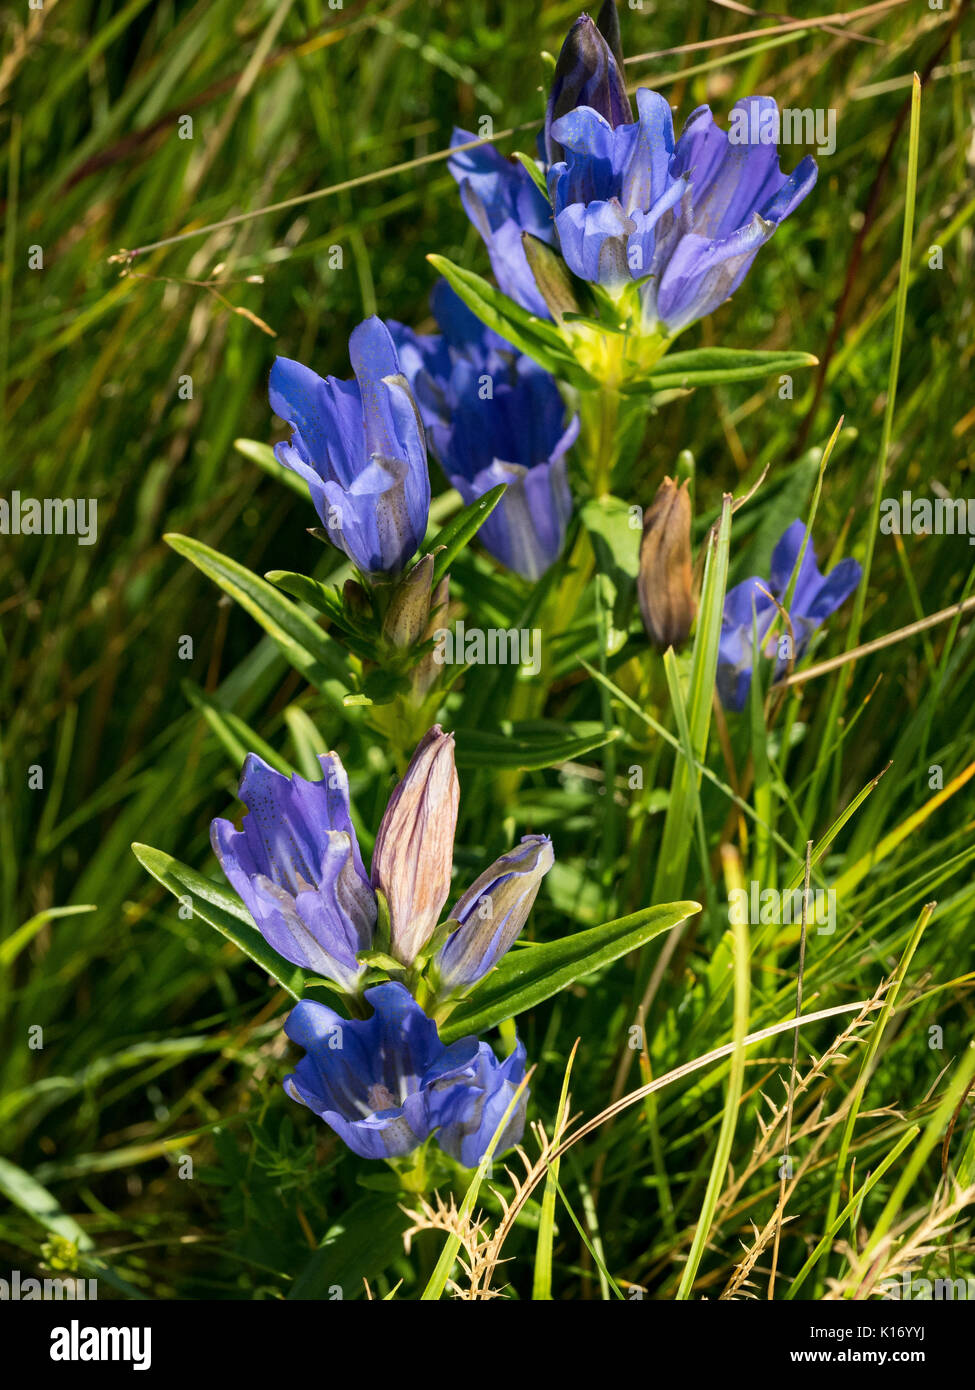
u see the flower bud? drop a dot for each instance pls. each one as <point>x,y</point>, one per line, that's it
<point>414,853</point>
<point>552,276</point>
<point>664,583</point>
<point>427,671</point>
<point>409,607</point>
<point>492,913</point>
<point>588,73</point>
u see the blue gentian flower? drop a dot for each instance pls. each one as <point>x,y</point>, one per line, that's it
<point>384,1084</point>
<point>737,197</point>
<point>587,73</point>
<point>359,446</point>
<point>502,200</point>
<point>684,220</point>
<point>516,435</point>
<point>611,189</point>
<point>814,599</point>
<point>296,865</point>
<point>492,913</point>
<point>469,1131</point>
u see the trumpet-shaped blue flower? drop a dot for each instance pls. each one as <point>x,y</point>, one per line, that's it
<point>296,865</point>
<point>359,446</point>
<point>611,189</point>
<point>814,599</point>
<point>384,1084</point>
<point>494,416</point>
<point>490,1090</point>
<point>686,220</point>
<point>736,198</point>
<point>492,913</point>
<point>502,200</point>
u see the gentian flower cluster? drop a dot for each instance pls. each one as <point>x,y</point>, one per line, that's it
<point>663,231</point>
<point>685,220</point>
<point>384,1084</point>
<point>675,223</point>
<point>813,600</point>
<point>493,416</point>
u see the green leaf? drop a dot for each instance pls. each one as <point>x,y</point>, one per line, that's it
<point>28,1194</point>
<point>461,529</point>
<point>220,908</point>
<point>531,168</point>
<point>542,1279</point>
<point>236,736</point>
<point>713,366</point>
<point>530,750</point>
<point>310,650</point>
<point>679,822</point>
<point>11,947</point>
<point>616,545</point>
<point>527,332</point>
<point>307,742</point>
<point>324,598</point>
<point>365,1240</point>
<point>530,974</point>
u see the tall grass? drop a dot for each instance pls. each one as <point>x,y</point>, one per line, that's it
<point>130,381</point>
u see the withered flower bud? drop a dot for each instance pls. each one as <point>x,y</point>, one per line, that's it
<point>664,583</point>
<point>414,851</point>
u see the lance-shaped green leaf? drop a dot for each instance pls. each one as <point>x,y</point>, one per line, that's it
<point>310,650</point>
<point>616,543</point>
<point>530,974</point>
<point>222,909</point>
<point>533,170</point>
<point>529,749</point>
<point>25,1192</point>
<point>365,1239</point>
<point>715,366</point>
<point>235,734</point>
<point>325,599</point>
<point>540,340</point>
<point>450,541</point>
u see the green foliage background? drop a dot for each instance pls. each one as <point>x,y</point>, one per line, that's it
<point>160,1039</point>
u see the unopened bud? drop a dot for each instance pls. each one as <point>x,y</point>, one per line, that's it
<point>588,73</point>
<point>664,583</point>
<point>492,913</point>
<point>414,851</point>
<point>408,613</point>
